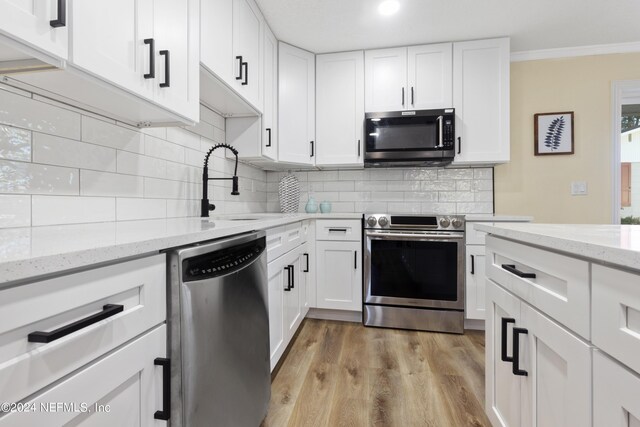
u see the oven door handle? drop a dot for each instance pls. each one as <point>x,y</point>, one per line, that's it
<point>410,236</point>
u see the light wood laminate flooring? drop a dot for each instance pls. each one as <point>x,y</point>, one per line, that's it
<point>343,374</point>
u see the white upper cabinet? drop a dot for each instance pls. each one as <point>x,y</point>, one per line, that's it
<point>481,100</point>
<point>385,79</point>
<point>247,51</point>
<point>270,110</point>
<point>41,25</point>
<point>417,77</point>
<point>296,105</point>
<point>216,37</point>
<point>339,108</point>
<point>430,76</point>
<point>116,39</point>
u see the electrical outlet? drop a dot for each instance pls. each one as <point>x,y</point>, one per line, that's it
<point>579,188</point>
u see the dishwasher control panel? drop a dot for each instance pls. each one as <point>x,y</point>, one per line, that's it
<point>222,262</point>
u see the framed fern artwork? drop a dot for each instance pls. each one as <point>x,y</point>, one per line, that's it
<point>553,133</point>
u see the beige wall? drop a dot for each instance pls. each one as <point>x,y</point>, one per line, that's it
<point>541,185</point>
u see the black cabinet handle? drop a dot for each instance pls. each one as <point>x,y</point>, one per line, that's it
<point>358,148</point>
<point>167,68</point>
<point>246,73</point>
<point>503,339</point>
<point>108,310</point>
<point>516,352</point>
<point>312,149</point>
<point>403,97</point>
<point>412,103</point>
<point>459,144</point>
<point>61,20</point>
<point>288,288</point>
<point>355,260</point>
<point>239,59</point>
<point>306,270</point>
<point>293,276</point>
<point>152,59</point>
<point>165,413</point>
<point>342,230</point>
<point>512,269</point>
<point>473,264</point>
<point>268,140</point>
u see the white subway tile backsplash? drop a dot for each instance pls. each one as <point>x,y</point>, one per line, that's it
<point>338,185</point>
<point>387,196</point>
<point>351,175</point>
<point>385,174</point>
<point>94,183</point>
<point>438,185</point>
<point>15,144</point>
<point>404,186</point>
<point>370,185</point>
<point>161,149</point>
<point>321,176</point>
<point>483,196</point>
<point>482,185</point>
<point>483,173</point>
<point>110,135</point>
<point>371,207</point>
<point>474,207</point>
<point>95,169</point>
<point>420,196</point>
<point>135,164</point>
<point>455,173</point>
<point>130,209</point>
<point>15,211</point>
<point>355,196</point>
<point>30,178</point>
<point>438,208</point>
<point>403,207</point>
<point>464,185</point>
<point>183,137</point>
<point>54,150</point>
<point>421,175</point>
<point>455,196</point>
<point>49,210</point>
<point>26,113</point>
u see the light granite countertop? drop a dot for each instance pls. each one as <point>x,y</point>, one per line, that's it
<point>608,244</point>
<point>30,252</point>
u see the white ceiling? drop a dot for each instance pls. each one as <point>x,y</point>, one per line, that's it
<point>338,25</point>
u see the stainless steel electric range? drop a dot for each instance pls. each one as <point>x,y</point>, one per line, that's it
<point>414,272</point>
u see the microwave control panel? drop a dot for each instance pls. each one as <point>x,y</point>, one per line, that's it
<point>448,132</point>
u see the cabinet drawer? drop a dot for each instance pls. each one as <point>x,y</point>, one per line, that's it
<point>616,314</point>
<point>473,236</point>
<point>281,240</point>
<point>615,394</point>
<point>126,382</point>
<point>26,367</point>
<point>341,229</point>
<point>560,287</point>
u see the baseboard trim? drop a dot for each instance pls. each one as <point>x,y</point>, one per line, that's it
<point>474,324</point>
<point>340,315</point>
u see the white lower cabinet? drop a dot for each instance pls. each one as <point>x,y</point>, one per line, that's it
<point>615,394</point>
<point>339,276</point>
<point>288,276</point>
<point>475,283</point>
<point>537,372</point>
<point>123,389</point>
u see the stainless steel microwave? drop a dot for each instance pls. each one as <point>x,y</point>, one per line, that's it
<point>409,138</point>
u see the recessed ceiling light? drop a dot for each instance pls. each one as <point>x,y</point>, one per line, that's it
<point>388,7</point>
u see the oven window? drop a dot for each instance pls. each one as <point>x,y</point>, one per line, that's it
<point>402,134</point>
<point>413,269</point>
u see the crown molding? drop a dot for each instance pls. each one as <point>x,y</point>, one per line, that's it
<point>569,52</point>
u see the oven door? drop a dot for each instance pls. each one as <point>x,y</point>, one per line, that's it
<point>414,269</point>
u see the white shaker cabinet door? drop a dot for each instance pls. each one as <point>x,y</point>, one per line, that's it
<point>296,105</point>
<point>293,293</point>
<point>481,100</point>
<point>502,387</point>
<point>30,22</point>
<point>386,80</point>
<point>557,388</point>
<point>430,79</point>
<point>269,139</point>
<point>340,108</point>
<point>475,283</point>
<point>615,394</point>
<point>247,41</point>
<point>216,37</point>
<point>277,282</point>
<point>108,41</point>
<point>339,277</point>
<point>177,64</point>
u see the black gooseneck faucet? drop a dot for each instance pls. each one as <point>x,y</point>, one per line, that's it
<point>205,206</point>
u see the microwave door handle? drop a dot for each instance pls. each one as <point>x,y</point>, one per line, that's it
<point>440,132</point>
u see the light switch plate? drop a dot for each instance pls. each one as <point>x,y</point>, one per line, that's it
<point>579,188</point>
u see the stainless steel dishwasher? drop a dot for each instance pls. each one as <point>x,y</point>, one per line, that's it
<point>219,333</point>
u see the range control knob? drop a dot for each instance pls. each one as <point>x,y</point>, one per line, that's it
<point>456,222</point>
<point>372,221</point>
<point>444,222</point>
<point>383,221</point>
